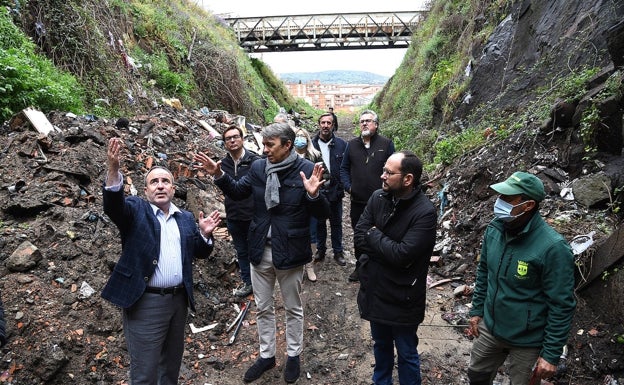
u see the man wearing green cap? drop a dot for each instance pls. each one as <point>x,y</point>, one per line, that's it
<point>523,299</point>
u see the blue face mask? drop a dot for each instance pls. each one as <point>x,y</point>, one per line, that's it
<point>300,142</point>
<point>502,210</point>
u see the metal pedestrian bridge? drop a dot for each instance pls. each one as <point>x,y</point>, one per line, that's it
<point>326,31</point>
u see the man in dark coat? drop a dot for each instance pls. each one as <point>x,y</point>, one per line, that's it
<point>237,164</point>
<point>332,149</point>
<point>396,234</point>
<point>153,280</point>
<point>286,192</point>
<point>361,166</point>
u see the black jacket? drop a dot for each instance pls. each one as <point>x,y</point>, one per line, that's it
<point>238,210</point>
<point>397,239</point>
<point>361,167</point>
<point>289,220</point>
<point>334,190</point>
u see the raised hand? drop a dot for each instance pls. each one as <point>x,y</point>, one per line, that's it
<point>207,164</point>
<point>113,154</point>
<point>314,183</point>
<point>207,224</point>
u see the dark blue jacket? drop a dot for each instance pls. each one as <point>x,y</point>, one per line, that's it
<point>241,210</point>
<point>289,220</point>
<point>334,190</point>
<point>140,247</point>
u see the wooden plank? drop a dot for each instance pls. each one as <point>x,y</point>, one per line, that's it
<point>213,133</point>
<point>39,121</point>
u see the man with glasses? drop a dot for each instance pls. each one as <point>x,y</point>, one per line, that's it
<point>361,166</point>
<point>239,212</point>
<point>396,235</point>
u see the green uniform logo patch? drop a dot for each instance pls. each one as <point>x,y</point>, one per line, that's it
<point>523,268</point>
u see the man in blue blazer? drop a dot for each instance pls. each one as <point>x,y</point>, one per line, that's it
<point>153,280</point>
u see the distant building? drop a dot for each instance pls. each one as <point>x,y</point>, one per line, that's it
<point>339,96</point>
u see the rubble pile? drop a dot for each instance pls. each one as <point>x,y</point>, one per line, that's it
<point>58,247</point>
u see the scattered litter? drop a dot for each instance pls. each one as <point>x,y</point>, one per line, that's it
<point>86,290</point>
<point>443,281</point>
<point>567,194</point>
<point>458,316</point>
<point>581,243</point>
<point>343,356</point>
<point>464,290</point>
<point>16,187</point>
<point>39,121</point>
<point>195,329</point>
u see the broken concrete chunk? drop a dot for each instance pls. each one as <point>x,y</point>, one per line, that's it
<point>24,258</point>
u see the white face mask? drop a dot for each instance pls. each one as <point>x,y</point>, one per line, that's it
<point>502,210</point>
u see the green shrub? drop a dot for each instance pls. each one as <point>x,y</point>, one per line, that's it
<point>27,79</point>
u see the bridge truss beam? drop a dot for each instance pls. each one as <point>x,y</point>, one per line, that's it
<point>326,31</point>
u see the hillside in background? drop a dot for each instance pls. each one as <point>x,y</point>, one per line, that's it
<point>122,57</point>
<point>334,77</point>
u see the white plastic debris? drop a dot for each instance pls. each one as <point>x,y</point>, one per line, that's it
<point>567,194</point>
<point>86,290</point>
<point>581,243</point>
<point>195,329</point>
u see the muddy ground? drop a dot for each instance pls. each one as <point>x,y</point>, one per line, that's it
<point>62,332</point>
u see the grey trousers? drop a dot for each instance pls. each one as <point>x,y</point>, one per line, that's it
<point>488,354</point>
<point>263,277</point>
<point>154,331</point>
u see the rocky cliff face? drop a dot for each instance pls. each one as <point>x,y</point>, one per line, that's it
<point>540,41</point>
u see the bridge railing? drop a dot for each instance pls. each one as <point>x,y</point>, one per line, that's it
<point>326,31</point>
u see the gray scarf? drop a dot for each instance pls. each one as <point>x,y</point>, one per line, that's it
<point>271,192</point>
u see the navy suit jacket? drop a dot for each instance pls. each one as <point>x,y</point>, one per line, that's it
<point>140,248</point>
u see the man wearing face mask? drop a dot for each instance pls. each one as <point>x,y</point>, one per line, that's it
<point>523,300</point>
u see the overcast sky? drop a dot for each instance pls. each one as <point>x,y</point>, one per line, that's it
<point>379,61</point>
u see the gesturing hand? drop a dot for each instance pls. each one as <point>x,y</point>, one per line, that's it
<point>207,164</point>
<point>207,224</point>
<point>315,181</point>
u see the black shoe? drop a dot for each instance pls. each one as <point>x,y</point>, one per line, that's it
<point>354,277</point>
<point>260,366</point>
<point>292,370</point>
<point>319,256</point>
<point>339,258</point>
<point>244,290</point>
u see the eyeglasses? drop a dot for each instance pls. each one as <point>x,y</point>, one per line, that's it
<point>389,173</point>
<point>366,121</point>
<point>233,137</point>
